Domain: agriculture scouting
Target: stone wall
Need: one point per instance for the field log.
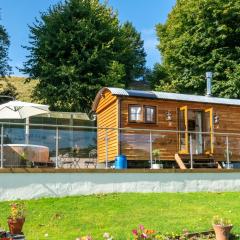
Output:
(24, 185)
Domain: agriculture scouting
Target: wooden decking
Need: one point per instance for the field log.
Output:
(199, 161)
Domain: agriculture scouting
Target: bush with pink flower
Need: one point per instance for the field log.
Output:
(143, 233)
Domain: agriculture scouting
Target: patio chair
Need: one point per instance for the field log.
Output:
(69, 160)
(92, 159)
(65, 159)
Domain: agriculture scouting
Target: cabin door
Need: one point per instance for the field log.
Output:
(191, 127)
(208, 143)
(183, 130)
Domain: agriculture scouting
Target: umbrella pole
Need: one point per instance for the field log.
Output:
(27, 131)
(2, 146)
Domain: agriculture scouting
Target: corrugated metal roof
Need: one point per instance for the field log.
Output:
(197, 98)
(166, 96)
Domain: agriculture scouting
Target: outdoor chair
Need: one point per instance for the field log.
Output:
(69, 160)
(92, 159)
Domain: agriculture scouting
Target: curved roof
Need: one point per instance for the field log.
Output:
(165, 96)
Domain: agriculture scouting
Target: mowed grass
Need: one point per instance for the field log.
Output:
(70, 217)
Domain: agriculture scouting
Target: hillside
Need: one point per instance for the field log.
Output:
(24, 90)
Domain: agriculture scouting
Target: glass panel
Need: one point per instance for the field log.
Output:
(232, 152)
(195, 127)
(42, 140)
(150, 114)
(14, 144)
(135, 113)
(135, 145)
(75, 145)
(199, 137)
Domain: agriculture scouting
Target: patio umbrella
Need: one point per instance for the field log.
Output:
(22, 110)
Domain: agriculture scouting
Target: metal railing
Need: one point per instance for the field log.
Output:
(40, 145)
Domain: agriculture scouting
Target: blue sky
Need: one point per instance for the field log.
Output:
(16, 15)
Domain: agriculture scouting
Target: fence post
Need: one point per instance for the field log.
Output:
(57, 146)
(191, 152)
(106, 142)
(228, 159)
(27, 131)
(2, 146)
(150, 148)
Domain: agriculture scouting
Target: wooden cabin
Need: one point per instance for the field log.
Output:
(181, 126)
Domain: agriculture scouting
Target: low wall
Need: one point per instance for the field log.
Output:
(37, 184)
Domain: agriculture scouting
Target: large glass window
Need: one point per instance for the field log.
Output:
(150, 114)
(135, 113)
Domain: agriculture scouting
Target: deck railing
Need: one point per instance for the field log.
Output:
(41, 145)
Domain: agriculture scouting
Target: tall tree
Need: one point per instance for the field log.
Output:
(4, 46)
(202, 36)
(157, 77)
(76, 48)
(133, 55)
(6, 88)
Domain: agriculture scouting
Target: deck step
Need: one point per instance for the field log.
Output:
(199, 161)
(180, 162)
(206, 157)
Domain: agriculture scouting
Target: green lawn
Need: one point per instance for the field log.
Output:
(68, 218)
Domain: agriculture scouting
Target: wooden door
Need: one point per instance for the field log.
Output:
(209, 136)
(183, 128)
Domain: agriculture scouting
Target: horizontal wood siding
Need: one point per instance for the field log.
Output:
(135, 145)
(107, 117)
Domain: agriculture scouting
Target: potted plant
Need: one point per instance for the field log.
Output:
(156, 155)
(222, 228)
(16, 218)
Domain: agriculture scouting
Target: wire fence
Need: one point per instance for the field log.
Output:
(64, 146)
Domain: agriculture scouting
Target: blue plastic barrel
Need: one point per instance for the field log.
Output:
(120, 162)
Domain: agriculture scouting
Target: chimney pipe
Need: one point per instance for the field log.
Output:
(209, 76)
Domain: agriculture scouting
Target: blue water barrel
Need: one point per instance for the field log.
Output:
(121, 162)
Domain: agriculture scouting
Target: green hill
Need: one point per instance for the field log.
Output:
(24, 90)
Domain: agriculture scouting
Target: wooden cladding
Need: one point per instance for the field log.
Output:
(143, 113)
(107, 140)
(168, 143)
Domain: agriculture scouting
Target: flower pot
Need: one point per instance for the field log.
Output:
(222, 232)
(15, 226)
(157, 166)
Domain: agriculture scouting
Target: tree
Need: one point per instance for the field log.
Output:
(158, 77)
(76, 48)
(133, 55)
(7, 90)
(202, 36)
(4, 45)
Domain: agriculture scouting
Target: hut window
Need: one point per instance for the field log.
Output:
(150, 114)
(135, 113)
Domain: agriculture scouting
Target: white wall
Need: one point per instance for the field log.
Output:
(36, 185)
